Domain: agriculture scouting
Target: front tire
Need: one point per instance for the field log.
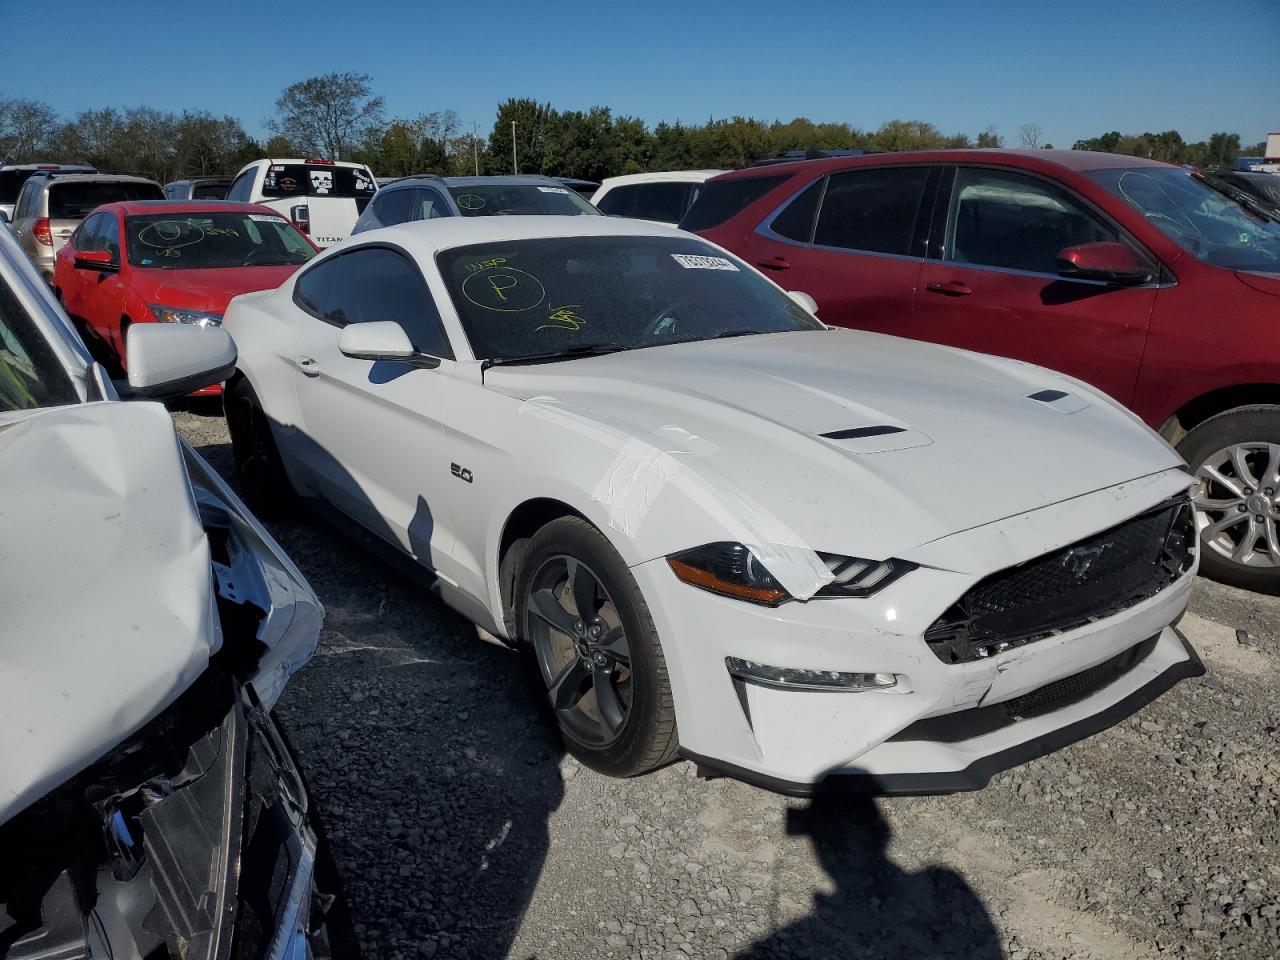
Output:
(1235, 457)
(599, 659)
(263, 482)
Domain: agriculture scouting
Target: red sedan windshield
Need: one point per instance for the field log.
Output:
(200, 241)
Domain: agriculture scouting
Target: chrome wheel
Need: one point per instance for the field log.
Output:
(581, 647)
(1238, 499)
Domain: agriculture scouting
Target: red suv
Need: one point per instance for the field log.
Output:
(169, 262)
(1142, 278)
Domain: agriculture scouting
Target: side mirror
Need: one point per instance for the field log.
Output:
(383, 340)
(806, 301)
(1108, 261)
(99, 260)
(173, 359)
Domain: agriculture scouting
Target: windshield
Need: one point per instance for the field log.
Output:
(76, 200)
(527, 298)
(506, 199)
(1205, 222)
(30, 376)
(208, 240)
(318, 180)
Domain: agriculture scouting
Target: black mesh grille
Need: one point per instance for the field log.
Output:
(1054, 696)
(1086, 581)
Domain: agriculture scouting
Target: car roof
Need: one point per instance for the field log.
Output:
(502, 179)
(139, 207)
(51, 167)
(427, 237)
(1044, 160)
(312, 162)
(695, 176)
(99, 178)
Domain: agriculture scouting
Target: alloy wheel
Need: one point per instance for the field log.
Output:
(582, 649)
(1238, 499)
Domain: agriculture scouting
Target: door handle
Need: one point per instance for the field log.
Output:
(309, 366)
(774, 263)
(950, 288)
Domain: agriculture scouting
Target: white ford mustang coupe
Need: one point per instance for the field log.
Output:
(794, 555)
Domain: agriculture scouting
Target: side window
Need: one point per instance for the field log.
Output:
(242, 186)
(660, 201)
(1004, 219)
(619, 202)
(873, 210)
(85, 237)
(109, 236)
(795, 222)
(428, 205)
(396, 206)
(373, 284)
(23, 207)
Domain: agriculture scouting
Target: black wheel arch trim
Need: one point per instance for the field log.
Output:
(979, 773)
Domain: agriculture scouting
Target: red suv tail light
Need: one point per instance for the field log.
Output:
(42, 233)
(301, 217)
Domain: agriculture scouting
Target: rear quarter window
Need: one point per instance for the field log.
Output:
(725, 199)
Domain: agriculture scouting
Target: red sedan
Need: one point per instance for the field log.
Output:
(1144, 279)
(166, 262)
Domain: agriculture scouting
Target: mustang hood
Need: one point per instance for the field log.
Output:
(848, 442)
(118, 582)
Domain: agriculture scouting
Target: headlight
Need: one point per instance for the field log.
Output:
(181, 315)
(856, 577)
(732, 570)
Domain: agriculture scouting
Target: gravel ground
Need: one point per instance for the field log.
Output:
(462, 829)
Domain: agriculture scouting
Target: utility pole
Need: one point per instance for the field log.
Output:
(515, 166)
(475, 145)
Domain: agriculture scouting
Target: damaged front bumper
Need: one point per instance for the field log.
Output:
(192, 839)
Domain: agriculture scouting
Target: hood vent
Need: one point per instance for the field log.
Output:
(1047, 396)
(858, 433)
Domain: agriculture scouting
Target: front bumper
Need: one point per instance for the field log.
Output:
(985, 759)
(880, 739)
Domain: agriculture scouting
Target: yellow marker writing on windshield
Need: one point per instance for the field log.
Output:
(499, 287)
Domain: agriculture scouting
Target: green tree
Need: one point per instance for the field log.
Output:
(990, 138)
(328, 115)
(533, 122)
(26, 130)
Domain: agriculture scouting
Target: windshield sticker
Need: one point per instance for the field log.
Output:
(363, 182)
(288, 184)
(563, 318)
(470, 201)
(321, 181)
(504, 289)
(694, 262)
(553, 189)
(263, 218)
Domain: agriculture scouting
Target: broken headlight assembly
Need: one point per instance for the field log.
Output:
(733, 570)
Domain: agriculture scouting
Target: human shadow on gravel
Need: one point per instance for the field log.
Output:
(877, 909)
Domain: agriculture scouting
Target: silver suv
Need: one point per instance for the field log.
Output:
(51, 205)
(427, 196)
(14, 175)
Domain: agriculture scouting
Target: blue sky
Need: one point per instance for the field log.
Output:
(1075, 67)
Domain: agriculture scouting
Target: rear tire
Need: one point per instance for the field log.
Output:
(613, 700)
(1236, 459)
(263, 482)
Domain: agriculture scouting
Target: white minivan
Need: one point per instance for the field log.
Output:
(323, 197)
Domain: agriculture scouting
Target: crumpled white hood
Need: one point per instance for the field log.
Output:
(106, 603)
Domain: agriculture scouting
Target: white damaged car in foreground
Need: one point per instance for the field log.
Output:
(148, 805)
(806, 558)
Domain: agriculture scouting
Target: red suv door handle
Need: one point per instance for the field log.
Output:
(950, 288)
(775, 263)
